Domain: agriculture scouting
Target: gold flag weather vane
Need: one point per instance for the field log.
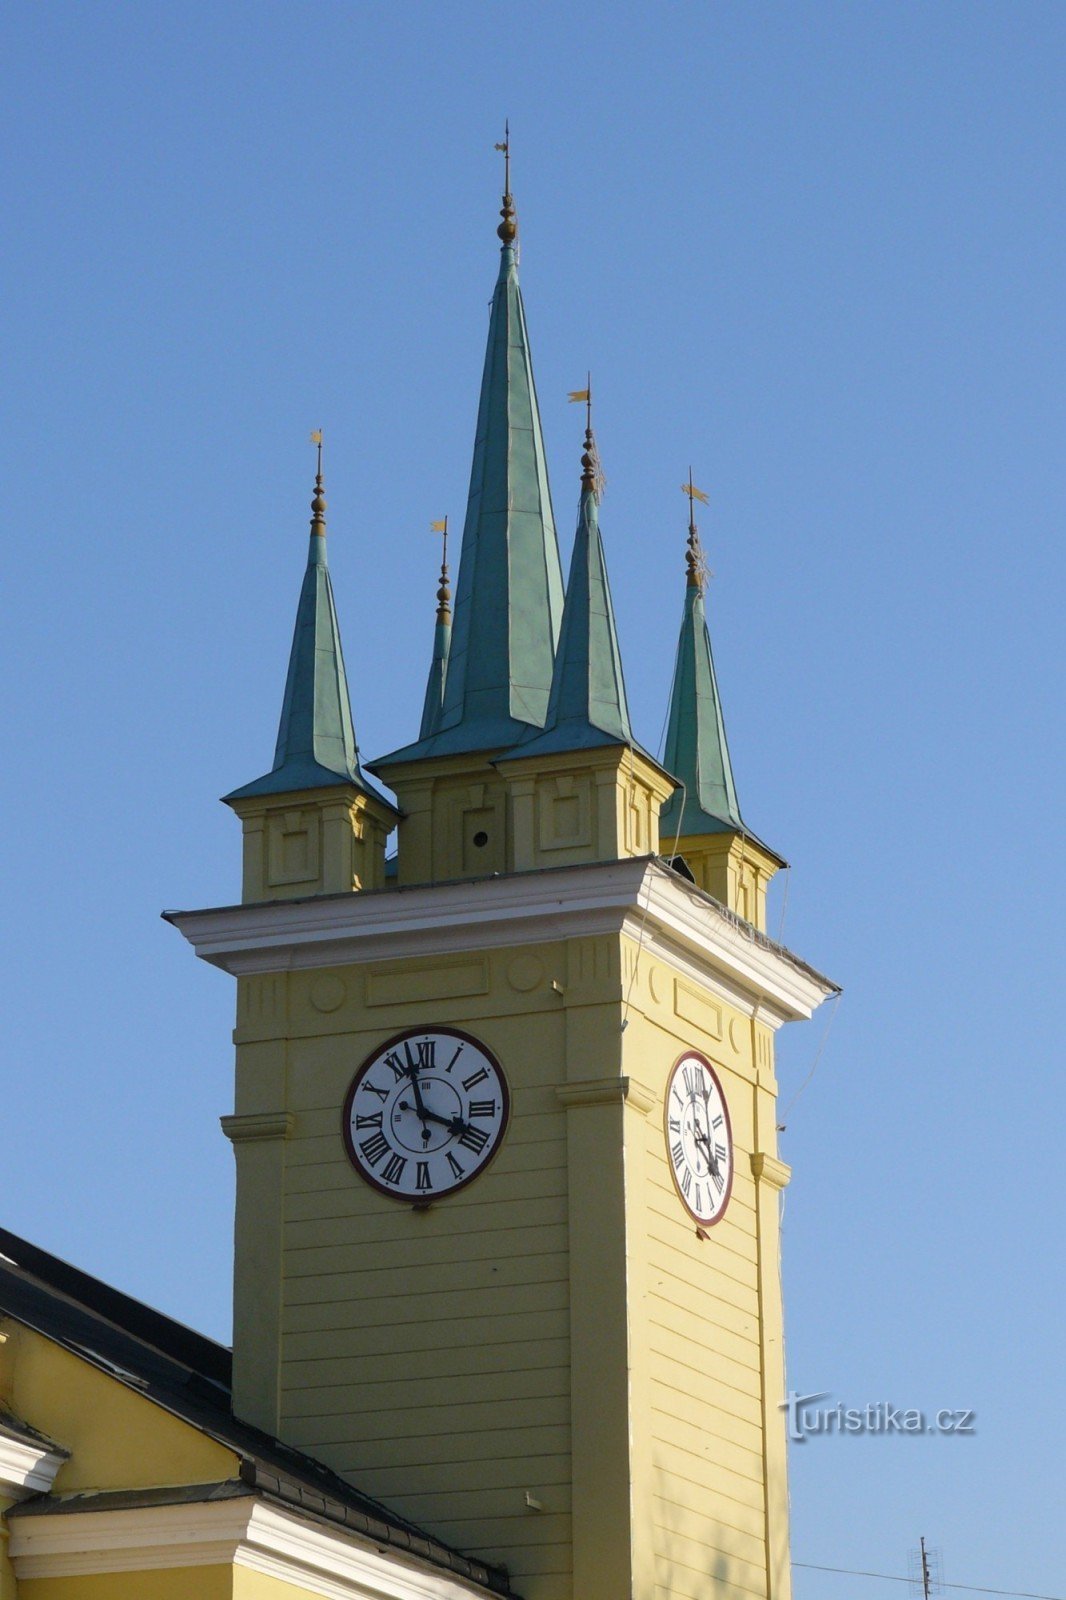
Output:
(575, 397)
(441, 527)
(697, 560)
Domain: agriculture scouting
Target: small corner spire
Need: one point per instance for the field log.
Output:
(695, 561)
(318, 499)
(442, 644)
(508, 228)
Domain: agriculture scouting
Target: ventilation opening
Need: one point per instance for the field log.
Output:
(680, 865)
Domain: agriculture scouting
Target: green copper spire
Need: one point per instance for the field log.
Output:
(316, 741)
(696, 750)
(509, 593)
(587, 705)
(442, 639)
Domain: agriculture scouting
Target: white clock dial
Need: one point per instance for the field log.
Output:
(425, 1113)
(699, 1141)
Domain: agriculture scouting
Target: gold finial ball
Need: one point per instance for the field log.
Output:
(508, 230)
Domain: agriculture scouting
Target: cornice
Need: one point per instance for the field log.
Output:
(606, 1091)
(255, 1125)
(639, 896)
(27, 1468)
(243, 1532)
(768, 1169)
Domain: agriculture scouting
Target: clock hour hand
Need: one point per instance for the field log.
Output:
(703, 1139)
(456, 1124)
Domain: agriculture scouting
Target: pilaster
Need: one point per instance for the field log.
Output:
(732, 867)
(771, 1176)
(258, 1131)
(598, 804)
(312, 841)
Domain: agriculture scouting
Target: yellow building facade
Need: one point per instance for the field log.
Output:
(507, 1311)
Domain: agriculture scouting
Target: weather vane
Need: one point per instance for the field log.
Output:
(592, 474)
(508, 228)
(695, 560)
(444, 593)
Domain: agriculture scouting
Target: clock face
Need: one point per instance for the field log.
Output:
(425, 1114)
(699, 1141)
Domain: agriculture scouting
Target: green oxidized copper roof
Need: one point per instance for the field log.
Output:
(587, 706)
(316, 744)
(696, 750)
(509, 594)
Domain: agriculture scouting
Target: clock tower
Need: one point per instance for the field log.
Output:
(507, 1177)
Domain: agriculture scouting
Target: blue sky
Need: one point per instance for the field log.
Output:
(815, 250)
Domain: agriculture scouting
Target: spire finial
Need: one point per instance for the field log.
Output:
(591, 473)
(444, 593)
(508, 228)
(695, 563)
(318, 500)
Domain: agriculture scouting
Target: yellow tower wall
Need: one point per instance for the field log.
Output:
(548, 1368)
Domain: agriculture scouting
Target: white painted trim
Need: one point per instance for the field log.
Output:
(638, 895)
(246, 1532)
(26, 1468)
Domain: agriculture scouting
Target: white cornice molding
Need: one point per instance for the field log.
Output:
(27, 1468)
(639, 896)
(243, 1532)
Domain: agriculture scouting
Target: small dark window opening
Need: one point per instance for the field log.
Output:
(481, 840)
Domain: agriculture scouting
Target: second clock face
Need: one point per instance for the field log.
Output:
(425, 1113)
(699, 1142)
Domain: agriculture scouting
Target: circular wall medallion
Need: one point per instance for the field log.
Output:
(328, 992)
(525, 973)
(699, 1140)
(425, 1113)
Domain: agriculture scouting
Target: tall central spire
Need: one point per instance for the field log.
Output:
(509, 591)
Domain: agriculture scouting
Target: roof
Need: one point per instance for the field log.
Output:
(509, 592)
(587, 706)
(697, 752)
(188, 1375)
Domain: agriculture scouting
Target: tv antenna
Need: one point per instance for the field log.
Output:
(924, 1571)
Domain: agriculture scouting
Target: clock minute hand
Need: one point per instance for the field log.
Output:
(420, 1105)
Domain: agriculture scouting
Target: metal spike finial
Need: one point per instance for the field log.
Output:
(444, 593)
(591, 470)
(508, 228)
(695, 561)
(318, 500)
